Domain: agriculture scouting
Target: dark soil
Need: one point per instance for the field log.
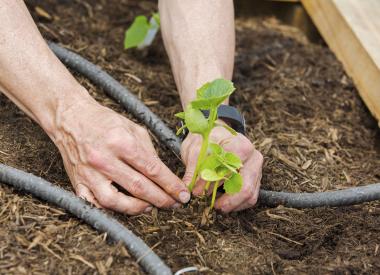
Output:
(303, 112)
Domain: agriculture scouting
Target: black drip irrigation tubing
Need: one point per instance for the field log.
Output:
(150, 262)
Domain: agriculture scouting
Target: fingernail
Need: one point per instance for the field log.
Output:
(148, 209)
(176, 205)
(184, 197)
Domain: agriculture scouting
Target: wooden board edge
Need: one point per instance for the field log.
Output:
(368, 84)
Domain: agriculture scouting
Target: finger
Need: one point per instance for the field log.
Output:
(83, 192)
(137, 184)
(250, 173)
(253, 200)
(150, 165)
(199, 188)
(129, 149)
(240, 145)
(190, 150)
(108, 197)
(191, 141)
(148, 145)
(190, 161)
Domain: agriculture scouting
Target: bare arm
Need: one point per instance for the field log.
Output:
(97, 145)
(199, 37)
(31, 75)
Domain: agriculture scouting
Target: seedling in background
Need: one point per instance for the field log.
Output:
(142, 33)
(214, 165)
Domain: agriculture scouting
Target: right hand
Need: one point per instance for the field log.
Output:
(100, 147)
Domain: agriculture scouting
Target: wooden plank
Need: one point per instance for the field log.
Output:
(351, 28)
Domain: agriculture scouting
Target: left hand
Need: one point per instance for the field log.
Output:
(251, 170)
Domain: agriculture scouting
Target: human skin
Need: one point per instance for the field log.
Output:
(199, 37)
(97, 145)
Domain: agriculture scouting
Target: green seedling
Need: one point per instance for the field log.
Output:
(214, 164)
(142, 32)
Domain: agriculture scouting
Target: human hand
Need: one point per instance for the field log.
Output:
(251, 170)
(100, 147)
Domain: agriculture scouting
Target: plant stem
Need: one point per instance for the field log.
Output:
(203, 152)
(202, 155)
(216, 184)
(207, 186)
(180, 129)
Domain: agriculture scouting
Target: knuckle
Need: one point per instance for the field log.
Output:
(137, 185)
(242, 147)
(95, 158)
(114, 138)
(131, 150)
(246, 145)
(153, 168)
(187, 177)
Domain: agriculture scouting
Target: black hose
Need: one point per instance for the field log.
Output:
(133, 105)
(44, 190)
(343, 197)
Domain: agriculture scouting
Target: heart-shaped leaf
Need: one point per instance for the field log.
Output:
(210, 175)
(215, 149)
(212, 94)
(233, 160)
(195, 121)
(211, 162)
(222, 171)
(180, 115)
(233, 184)
(217, 88)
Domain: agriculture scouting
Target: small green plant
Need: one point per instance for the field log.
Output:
(214, 164)
(142, 33)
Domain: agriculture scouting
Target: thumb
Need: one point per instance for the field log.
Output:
(190, 149)
(191, 163)
(189, 173)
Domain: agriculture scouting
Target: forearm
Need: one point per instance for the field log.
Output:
(199, 37)
(30, 74)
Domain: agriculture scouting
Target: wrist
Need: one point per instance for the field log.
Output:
(42, 86)
(70, 100)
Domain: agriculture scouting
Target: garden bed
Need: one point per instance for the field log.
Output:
(303, 113)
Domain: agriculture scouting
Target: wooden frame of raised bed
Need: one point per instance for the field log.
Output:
(351, 28)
